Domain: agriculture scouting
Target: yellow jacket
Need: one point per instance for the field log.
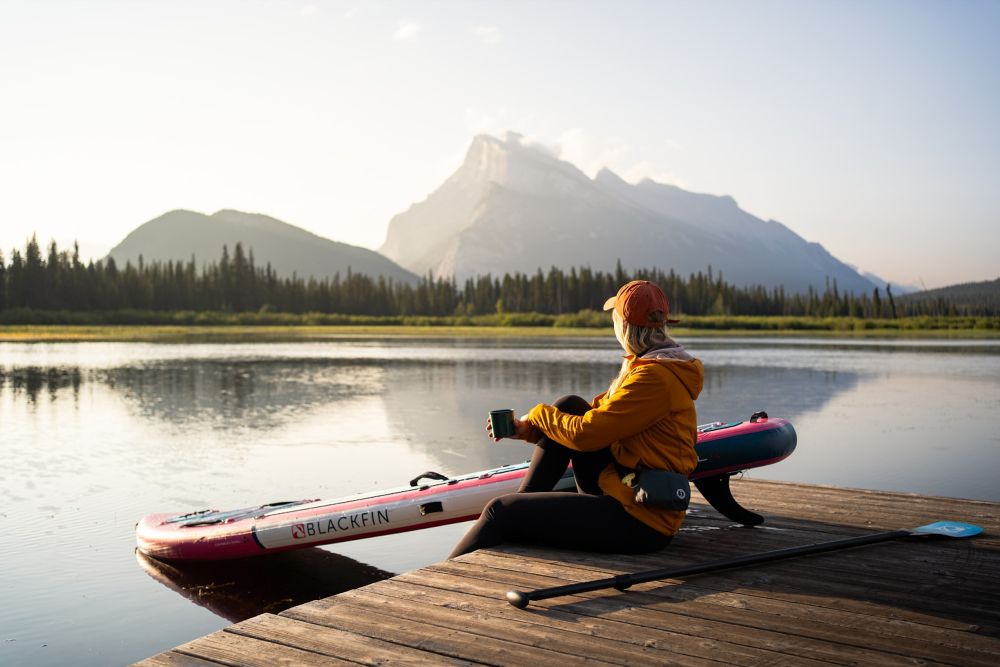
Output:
(649, 420)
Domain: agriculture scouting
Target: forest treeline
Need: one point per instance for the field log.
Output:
(57, 280)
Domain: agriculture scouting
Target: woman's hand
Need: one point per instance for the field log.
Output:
(523, 429)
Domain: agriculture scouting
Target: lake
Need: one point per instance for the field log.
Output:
(95, 435)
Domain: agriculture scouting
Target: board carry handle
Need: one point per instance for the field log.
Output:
(430, 474)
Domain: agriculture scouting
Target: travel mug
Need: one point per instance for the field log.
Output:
(502, 422)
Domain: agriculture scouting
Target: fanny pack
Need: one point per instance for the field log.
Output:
(657, 488)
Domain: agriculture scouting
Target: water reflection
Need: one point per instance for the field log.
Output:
(256, 394)
(33, 380)
(436, 406)
(240, 589)
(736, 392)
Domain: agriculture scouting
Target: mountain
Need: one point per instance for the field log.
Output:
(513, 207)
(178, 235)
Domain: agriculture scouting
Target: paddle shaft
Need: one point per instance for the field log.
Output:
(623, 581)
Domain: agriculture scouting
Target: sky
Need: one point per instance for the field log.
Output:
(871, 127)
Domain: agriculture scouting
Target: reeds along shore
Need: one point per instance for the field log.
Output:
(189, 326)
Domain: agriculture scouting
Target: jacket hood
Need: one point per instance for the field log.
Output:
(679, 361)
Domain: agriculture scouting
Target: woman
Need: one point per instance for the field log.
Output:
(646, 419)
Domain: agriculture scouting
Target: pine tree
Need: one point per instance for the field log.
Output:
(34, 275)
(16, 296)
(892, 302)
(3, 283)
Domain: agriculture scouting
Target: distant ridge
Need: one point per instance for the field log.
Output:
(512, 207)
(973, 298)
(179, 234)
(881, 282)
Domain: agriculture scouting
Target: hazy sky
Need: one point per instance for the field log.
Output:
(870, 127)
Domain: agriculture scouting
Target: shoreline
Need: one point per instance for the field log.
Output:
(302, 333)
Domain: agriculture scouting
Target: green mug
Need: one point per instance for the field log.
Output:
(502, 422)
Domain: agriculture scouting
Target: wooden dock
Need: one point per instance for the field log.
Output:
(906, 602)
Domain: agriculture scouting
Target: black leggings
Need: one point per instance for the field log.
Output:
(587, 520)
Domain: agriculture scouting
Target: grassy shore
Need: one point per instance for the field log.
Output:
(692, 327)
(182, 334)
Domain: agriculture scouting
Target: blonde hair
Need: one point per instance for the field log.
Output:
(636, 340)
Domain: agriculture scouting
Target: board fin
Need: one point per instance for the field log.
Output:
(718, 494)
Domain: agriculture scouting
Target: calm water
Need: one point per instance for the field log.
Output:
(95, 435)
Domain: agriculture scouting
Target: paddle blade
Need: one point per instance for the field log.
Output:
(948, 529)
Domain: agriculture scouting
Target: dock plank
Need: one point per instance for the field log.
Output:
(513, 630)
(682, 640)
(174, 659)
(335, 642)
(230, 648)
(451, 641)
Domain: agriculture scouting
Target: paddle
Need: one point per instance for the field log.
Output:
(623, 581)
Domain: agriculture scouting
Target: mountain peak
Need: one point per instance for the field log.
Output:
(605, 175)
(509, 139)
